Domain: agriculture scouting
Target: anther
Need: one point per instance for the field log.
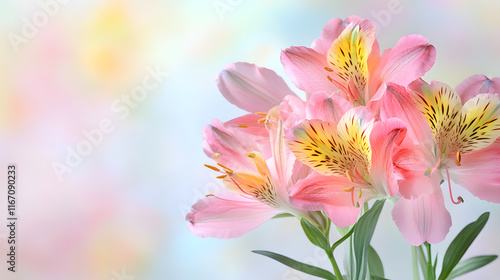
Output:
(330, 79)
(356, 205)
(221, 177)
(243, 125)
(460, 199)
(251, 155)
(348, 173)
(261, 113)
(225, 167)
(458, 160)
(349, 189)
(328, 69)
(209, 195)
(212, 167)
(360, 192)
(263, 120)
(217, 155)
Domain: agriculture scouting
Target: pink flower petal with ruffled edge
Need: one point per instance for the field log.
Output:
(479, 173)
(319, 192)
(410, 59)
(384, 136)
(305, 67)
(327, 107)
(222, 144)
(292, 111)
(227, 215)
(477, 84)
(422, 219)
(252, 88)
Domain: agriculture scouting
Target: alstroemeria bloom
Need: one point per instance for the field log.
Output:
(351, 157)
(465, 128)
(258, 188)
(450, 136)
(346, 58)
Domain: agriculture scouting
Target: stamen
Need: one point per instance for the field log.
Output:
(263, 120)
(330, 79)
(251, 155)
(209, 195)
(360, 192)
(212, 167)
(217, 155)
(221, 177)
(243, 125)
(458, 160)
(328, 69)
(460, 199)
(348, 173)
(227, 169)
(261, 113)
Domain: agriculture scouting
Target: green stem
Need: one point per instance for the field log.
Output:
(414, 263)
(336, 269)
(430, 269)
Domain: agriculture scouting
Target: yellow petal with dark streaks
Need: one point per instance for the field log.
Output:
(348, 58)
(479, 124)
(441, 106)
(319, 145)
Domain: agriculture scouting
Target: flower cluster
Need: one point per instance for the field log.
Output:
(369, 129)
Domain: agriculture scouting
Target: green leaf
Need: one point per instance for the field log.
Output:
(375, 264)
(357, 254)
(283, 215)
(461, 243)
(309, 269)
(470, 265)
(341, 240)
(314, 235)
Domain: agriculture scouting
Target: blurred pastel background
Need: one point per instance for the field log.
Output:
(143, 73)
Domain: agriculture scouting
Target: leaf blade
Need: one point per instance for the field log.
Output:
(470, 265)
(306, 268)
(460, 244)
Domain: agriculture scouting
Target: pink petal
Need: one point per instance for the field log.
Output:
(384, 136)
(319, 192)
(227, 215)
(226, 147)
(305, 67)
(410, 59)
(422, 219)
(396, 103)
(477, 84)
(327, 107)
(252, 88)
(479, 173)
(248, 124)
(292, 111)
(330, 32)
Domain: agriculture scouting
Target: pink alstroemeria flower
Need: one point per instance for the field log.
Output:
(257, 187)
(450, 135)
(346, 57)
(351, 154)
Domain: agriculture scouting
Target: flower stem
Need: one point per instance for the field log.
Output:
(414, 263)
(336, 269)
